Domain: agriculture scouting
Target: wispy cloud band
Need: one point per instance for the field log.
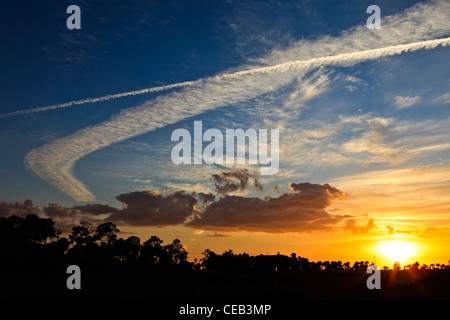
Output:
(54, 162)
(339, 59)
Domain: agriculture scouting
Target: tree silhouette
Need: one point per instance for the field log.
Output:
(38, 229)
(415, 266)
(132, 247)
(152, 251)
(106, 233)
(31, 247)
(82, 234)
(176, 252)
(210, 260)
(32, 234)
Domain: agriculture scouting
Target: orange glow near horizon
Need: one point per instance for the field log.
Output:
(397, 250)
(390, 215)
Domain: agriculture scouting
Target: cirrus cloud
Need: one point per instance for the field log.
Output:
(405, 102)
(55, 162)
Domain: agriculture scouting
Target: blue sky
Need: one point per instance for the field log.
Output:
(342, 121)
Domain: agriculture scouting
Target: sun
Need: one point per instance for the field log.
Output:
(400, 251)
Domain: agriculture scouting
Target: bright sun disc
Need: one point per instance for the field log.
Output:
(397, 250)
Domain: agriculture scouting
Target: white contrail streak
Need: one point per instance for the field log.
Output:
(330, 60)
(98, 99)
(54, 162)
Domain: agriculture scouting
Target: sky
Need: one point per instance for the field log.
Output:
(87, 116)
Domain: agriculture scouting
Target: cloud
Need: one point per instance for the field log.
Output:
(362, 139)
(307, 188)
(149, 208)
(428, 20)
(276, 188)
(418, 195)
(217, 235)
(98, 99)
(405, 102)
(372, 141)
(238, 180)
(55, 211)
(351, 225)
(443, 99)
(301, 211)
(390, 230)
(206, 197)
(20, 209)
(67, 217)
(95, 209)
(188, 187)
(55, 162)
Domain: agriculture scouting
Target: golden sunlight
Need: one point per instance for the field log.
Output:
(400, 251)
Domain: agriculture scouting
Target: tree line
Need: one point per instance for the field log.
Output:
(33, 239)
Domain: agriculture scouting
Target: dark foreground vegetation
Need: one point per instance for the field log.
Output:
(34, 259)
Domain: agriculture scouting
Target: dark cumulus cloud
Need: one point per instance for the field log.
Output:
(21, 209)
(316, 189)
(150, 208)
(95, 209)
(238, 180)
(205, 197)
(54, 210)
(65, 217)
(68, 217)
(301, 211)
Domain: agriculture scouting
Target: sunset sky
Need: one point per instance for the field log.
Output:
(364, 138)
